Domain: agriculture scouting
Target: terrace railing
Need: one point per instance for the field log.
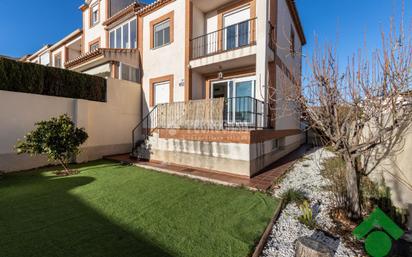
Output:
(229, 38)
(237, 113)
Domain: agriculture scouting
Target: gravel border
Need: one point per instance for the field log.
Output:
(305, 176)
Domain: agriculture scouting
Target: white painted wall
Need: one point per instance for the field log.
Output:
(211, 21)
(198, 22)
(396, 169)
(97, 30)
(285, 23)
(168, 59)
(45, 59)
(198, 86)
(56, 52)
(108, 124)
(262, 30)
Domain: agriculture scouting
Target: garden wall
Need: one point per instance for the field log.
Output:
(109, 124)
(396, 169)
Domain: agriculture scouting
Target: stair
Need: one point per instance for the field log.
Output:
(140, 151)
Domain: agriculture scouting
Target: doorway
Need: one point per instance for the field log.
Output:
(240, 99)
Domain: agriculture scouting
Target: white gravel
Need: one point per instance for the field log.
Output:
(305, 176)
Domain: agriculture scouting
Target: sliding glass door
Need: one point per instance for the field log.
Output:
(240, 95)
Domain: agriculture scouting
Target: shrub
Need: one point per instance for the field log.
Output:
(334, 170)
(381, 197)
(293, 196)
(307, 215)
(38, 79)
(58, 138)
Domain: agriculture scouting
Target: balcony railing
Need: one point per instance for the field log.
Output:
(229, 38)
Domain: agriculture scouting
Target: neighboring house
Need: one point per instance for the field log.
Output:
(211, 73)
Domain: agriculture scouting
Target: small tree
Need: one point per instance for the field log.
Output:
(58, 138)
(363, 110)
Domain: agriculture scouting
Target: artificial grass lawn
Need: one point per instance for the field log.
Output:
(114, 210)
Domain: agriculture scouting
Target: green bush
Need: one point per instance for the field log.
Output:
(58, 138)
(38, 79)
(293, 196)
(307, 215)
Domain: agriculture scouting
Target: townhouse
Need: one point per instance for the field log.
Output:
(212, 73)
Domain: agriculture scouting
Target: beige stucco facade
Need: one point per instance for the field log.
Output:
(189, 73)
(396, 172)
(108, 124)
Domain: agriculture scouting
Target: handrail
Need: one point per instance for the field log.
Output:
(141, 123)
(219, 30)
(243, 112)
(238, 35)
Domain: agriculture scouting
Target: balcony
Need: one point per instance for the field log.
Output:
(235, 42)
(227, 39)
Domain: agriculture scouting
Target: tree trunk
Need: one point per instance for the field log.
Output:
(352, 188)
(308, 247)
(64, 166)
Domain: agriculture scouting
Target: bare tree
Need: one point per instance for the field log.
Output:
(361, 111)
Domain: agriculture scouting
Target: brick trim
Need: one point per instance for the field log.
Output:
(153, 81)
(227, 136)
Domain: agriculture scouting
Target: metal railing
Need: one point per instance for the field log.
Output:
(229, 38)
(244, 113)
(237, 113)
(145, 128)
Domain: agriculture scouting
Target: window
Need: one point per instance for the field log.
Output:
(58, 60)
(292, 41)
(118, 38)
(95, 13)
(236, 28)
(162, 34)
(112, 39)
(94, 45)
(129, 73)
(45, 59)
(133, 33)
(124, 36)
(126, 43)
(161, 92)
(118, 5)
(162, 30)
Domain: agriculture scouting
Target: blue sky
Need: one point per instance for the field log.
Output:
(350, 21)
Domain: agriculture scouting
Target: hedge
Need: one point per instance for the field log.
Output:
(38, 79)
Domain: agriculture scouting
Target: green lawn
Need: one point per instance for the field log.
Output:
(114, 210)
